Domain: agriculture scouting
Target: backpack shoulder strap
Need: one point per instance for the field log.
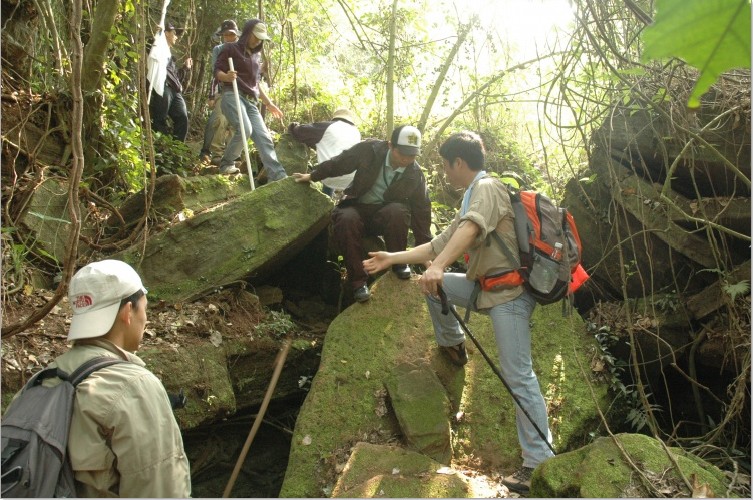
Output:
(505, 249)
(511, 256)
(92, 365)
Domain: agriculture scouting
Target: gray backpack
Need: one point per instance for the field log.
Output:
(34, 434)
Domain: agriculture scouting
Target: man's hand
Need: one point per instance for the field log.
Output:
(301, 177)
(431, 279)
(378, 262)
(276, 112)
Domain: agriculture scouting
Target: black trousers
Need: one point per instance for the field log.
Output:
(172, 105)
(352, 222)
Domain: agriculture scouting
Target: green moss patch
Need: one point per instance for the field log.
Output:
(366, 343)
(601, 470)
(204, 253)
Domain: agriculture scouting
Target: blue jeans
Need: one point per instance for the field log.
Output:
(513, 335)
(255, 127)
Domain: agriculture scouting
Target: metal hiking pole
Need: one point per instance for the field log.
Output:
(447, 307)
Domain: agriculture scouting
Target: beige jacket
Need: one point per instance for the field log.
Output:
(124, 440)
(489, 208)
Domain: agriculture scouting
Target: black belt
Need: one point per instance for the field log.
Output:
(250, 97)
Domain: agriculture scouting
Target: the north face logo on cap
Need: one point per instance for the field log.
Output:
(83, 301)
(412, 139)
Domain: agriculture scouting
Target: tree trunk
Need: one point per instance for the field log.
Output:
(462, 35)
(390, 93)
(91, 77)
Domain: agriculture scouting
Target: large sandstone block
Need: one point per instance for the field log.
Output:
(601, 470)
(247, 237)
(347, 402)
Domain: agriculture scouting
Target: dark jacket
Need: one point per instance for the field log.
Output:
(177, 78)
(247, 63)
(367, 158)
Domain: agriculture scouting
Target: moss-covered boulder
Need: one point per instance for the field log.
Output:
(293, 155)
(221, 380)
(173, 194)
(347, 401)
(421, 406)
(247, 237)
(375, 471)
(45, 223)
(602, 470)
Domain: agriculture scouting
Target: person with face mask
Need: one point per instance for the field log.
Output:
(247, 73)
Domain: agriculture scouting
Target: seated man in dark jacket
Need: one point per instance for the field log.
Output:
(388, 196)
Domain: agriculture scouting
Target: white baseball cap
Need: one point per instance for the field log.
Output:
(408, 141)
(95, 293)
(260, 31)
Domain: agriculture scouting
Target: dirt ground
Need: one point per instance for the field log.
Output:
(228, 314)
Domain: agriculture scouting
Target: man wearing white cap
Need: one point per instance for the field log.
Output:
(246, 55)
(329, 138)
(388, 196)
(124, 440)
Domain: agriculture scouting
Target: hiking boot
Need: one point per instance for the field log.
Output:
(362, 294)
(457, 353)
(229, 170)
(401, 271)
(520, 480)
(205, 158)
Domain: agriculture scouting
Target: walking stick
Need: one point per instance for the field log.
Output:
(279, 362)
(447, 307)
(242, 125)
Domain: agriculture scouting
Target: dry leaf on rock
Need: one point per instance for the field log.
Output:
(215, 338)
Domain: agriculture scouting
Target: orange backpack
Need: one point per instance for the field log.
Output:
(548, 259)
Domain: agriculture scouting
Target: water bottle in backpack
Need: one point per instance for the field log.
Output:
(544, 271)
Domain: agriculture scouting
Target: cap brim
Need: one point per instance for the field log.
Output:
(409, 150)
(93, 323)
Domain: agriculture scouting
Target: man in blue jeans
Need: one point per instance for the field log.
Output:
(486, 207)
(246, 55)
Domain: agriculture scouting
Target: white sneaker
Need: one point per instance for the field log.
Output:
(229, 170)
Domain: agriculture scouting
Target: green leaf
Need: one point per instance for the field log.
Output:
(712, 35)
(736, 289)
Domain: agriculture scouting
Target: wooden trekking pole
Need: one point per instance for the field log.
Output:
(242, 124)
(279, 362)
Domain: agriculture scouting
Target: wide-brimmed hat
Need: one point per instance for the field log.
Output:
(260, 31)
(408, 140)
(344, 114)
(228, 25)
(95, 293)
